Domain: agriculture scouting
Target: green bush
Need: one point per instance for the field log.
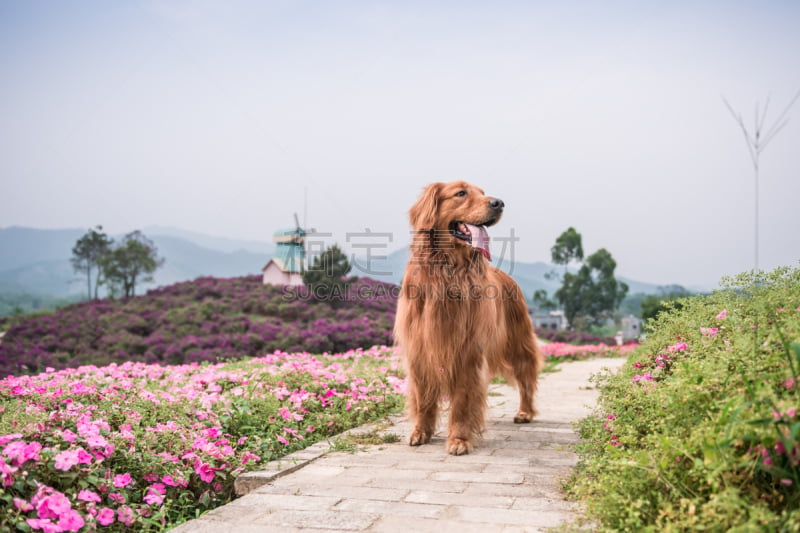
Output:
(700, 430)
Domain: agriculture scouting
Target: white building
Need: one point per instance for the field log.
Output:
(555, 320)
(286, 265)
(631, 327)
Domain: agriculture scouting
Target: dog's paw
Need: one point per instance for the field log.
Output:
(456, 446)
(419, 437)
(523, 418)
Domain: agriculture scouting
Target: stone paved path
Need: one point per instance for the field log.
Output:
(509, 484)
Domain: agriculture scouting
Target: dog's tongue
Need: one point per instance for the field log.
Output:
(480, 239)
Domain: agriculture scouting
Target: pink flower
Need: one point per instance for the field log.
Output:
(68, 436)
(66, 459)
(122, 480)
(213, 433)
(116, 497)
(155, 494)
(723, 314)
(20, 452)
(44, 524)
(71, 521)
(5, 439)
(709, 332)
(249, 456)
(644, 377)
(89, 496)
(677, 347)
(105, 517)
(96, 441)
(174, 482)
(125, 515)
(205, 471)
(288, 415)
(53, 506)
(23, 505)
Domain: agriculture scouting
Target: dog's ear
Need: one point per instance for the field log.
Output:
(424, 213)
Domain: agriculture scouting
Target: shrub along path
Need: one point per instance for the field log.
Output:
(510, 483)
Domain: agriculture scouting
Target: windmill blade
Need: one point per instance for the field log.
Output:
(297, 222)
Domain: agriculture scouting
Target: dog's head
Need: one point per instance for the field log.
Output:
(457, 213)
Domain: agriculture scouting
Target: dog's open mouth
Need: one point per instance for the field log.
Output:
(477, 236)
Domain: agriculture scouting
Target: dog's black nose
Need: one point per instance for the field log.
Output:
(496, 204)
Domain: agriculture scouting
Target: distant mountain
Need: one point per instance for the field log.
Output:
(530, 276)
(54, 277)
(220, 244)
(38, 261)
(21, 247)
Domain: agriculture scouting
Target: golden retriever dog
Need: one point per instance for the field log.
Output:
(459, 319)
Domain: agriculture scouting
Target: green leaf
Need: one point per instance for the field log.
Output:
(796, 349)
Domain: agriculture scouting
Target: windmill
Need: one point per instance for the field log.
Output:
(288, 262)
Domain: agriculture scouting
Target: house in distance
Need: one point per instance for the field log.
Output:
(287, 264)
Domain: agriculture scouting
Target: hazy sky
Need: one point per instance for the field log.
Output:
(216, 117)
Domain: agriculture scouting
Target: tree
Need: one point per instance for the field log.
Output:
(542, 300)
(568, 248)
(668, 298)
(133, 261)
(325, 278)
(86, 255)
(593, 293)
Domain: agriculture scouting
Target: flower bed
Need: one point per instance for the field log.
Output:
(562, 350)
(700, 430)
(146, 446)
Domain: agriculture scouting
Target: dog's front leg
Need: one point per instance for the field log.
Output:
(423, 408)
(467, 412)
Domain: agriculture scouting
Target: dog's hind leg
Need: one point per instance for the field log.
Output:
(527, 363)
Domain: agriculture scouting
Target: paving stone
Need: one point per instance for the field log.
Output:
(485, 515)
(424, 484)
(450, 498)
(510, 484)
(541, 504)
(393, 524)
(330, 520)
(506, 478)
(385, 508)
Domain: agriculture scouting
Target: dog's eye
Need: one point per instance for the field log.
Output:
(461, 193)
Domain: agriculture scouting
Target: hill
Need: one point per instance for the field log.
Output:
(530, 276)
(37, 262)
(35, 271)
(208, 319)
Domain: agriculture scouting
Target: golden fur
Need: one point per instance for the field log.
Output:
(460, 320)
